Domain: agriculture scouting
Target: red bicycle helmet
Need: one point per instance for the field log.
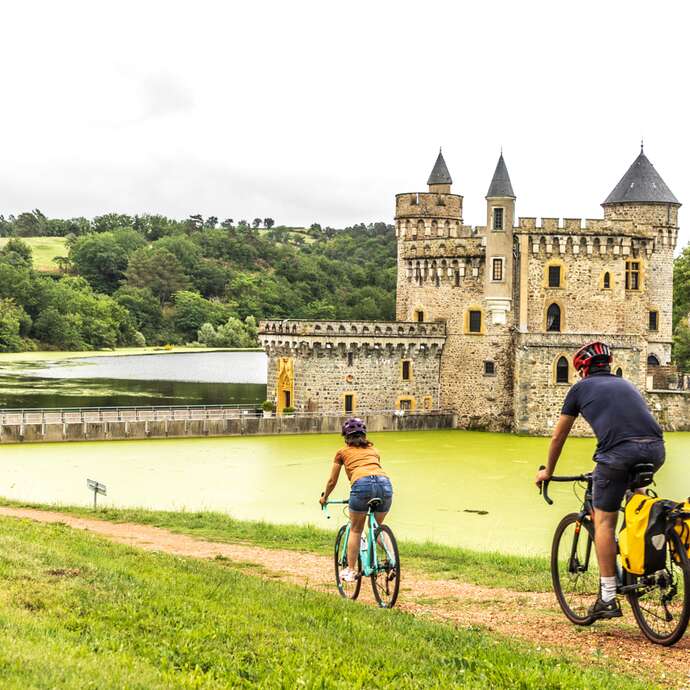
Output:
(354, 425)
(596, 353)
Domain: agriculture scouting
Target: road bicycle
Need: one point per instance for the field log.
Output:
(660, 602)
(378, 559)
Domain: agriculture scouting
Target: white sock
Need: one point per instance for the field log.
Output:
(608, 588)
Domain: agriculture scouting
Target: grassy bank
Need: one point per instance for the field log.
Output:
(522, 573)
(77, 611)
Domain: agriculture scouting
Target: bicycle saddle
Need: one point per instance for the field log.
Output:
(641, 475)
(374, 503)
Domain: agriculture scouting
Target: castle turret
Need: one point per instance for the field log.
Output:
(440, 180)
(500, 214)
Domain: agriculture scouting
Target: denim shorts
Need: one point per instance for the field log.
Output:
(612, 473)
(366, 488)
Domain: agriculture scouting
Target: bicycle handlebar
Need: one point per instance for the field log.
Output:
(324, 507)
(544, 488)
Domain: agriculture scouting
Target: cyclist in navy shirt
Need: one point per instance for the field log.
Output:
(627, 434)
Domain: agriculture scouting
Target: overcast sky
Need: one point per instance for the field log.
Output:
(322, 111)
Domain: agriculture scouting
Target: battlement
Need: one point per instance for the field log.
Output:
(369, 336)
(429, 205)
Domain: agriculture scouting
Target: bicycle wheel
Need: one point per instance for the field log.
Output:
(385, 580)
(661, 605)
(349, 590)
(574, 568)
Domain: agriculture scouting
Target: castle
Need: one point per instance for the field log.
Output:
(488, 318)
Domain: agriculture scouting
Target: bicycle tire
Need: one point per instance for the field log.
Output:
(679, 562)
(348, 590)
(386, 580)
(587, 580)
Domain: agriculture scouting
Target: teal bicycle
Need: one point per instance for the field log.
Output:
(378, 559)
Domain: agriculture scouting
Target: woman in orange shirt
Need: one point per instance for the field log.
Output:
(362, 464)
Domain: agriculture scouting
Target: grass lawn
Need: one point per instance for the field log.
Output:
(45, 249)
(521, 573)
(80, 612)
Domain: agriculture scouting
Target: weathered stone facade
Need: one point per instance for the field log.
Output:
(511, 301)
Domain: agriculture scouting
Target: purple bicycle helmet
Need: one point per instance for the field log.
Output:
(354, 425)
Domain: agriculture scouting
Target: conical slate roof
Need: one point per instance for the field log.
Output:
(641, 184)
(500, 184)
(440, 174)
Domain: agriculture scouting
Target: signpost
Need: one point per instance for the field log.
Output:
(97, 488)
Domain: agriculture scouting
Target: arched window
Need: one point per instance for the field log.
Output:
(562, 370)
(652, 361)
(607, 281)
(553, 318)
(619, 372)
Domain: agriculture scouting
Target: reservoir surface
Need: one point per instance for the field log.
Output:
(437, 477)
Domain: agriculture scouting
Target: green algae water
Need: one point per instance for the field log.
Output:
(437, 476)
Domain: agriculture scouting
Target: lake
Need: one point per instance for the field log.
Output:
(437, 476)
(176, 378)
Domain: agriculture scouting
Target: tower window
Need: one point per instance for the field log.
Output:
(498, 219)
(562, 370)
(553, 318)
(497, 270)
(419, 316)
(619, 372)
(405, 404)
(457, 278)
(653, 320)
(406, 370)
(607, 281)
(554, 276)
(349, 403)
(475, 321)
(350, 358)
(489, 368)
(632, 275)
(652, 361)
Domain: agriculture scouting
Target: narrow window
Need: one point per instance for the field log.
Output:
(607, 281)
(553, 318)
(406, 370)
(632, 275)
(497, 270)
(498, 219)
(405, 403)
(554, 276)
(287, 398)
(419, 316)
(428, 402)
(475, 321)
(619, 372)
(653, 320)
(652, 361)
(562, 370)
(489, 368)
(350, 358)
(349, 403)
(457, 278)
(437, 280)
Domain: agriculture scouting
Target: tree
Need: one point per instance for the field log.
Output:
(144, 309)
(30, 224)
(211, 222)
(681, 345)
(17, 253)
(192, 311)
(228, 224)
(243, 225)
(256, 223)
(13, 320)
(156, 269)
(269, 223)
(112, 221)
(59, 329)
(194, 223)
(681, 286)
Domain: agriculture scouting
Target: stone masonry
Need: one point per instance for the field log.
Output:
(489, 317)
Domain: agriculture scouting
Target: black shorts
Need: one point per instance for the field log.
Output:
(612, 477)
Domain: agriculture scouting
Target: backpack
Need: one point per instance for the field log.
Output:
(642, 539)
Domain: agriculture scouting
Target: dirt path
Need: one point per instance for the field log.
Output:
(532, 617)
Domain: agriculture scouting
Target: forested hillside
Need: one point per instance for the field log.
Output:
(154, 280)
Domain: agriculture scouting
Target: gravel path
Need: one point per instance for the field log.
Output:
(531, 617)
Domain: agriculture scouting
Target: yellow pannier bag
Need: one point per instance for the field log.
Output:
(642, 539)
(683, 529)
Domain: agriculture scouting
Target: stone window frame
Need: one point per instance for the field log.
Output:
(354, 402)
(424, 312)
(493, 218)
(502, 259)
(547, 306)
(612, 280)
(401, 398)
(466, 320)
(640, 274)
(653, 310)
(554, 370)
(493, 367)
(547, 266)
(410, 370)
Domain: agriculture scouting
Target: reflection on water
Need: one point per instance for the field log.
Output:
(197, 378)
(464, 488)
